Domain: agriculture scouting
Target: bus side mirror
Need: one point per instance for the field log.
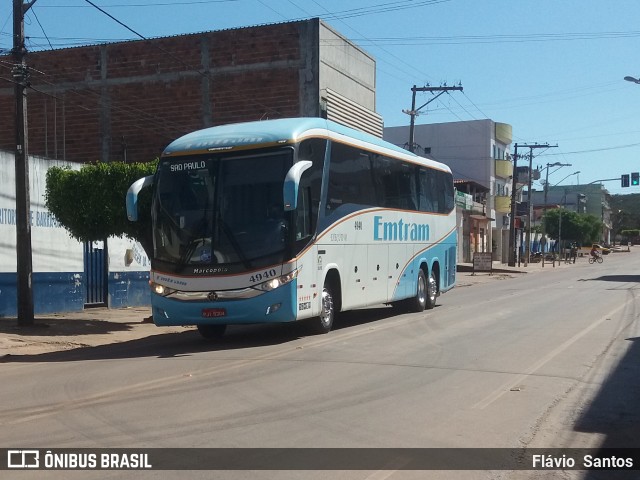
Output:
(132, 196)
(291, 183)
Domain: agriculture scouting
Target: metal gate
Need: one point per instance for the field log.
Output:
(96, 273)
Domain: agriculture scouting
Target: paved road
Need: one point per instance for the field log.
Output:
(538, 360)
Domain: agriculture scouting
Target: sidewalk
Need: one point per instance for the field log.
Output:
(70, 330)
(103, 326)
(500, 271)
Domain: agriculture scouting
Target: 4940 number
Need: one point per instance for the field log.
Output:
(258, 277)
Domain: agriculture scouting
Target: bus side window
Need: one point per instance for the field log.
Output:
(426, 203)
(449, 193)
(397, 185)
(310, 187)
(304, 222)
(350, 178)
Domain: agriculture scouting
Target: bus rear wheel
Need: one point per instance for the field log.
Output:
(324, 322)
(419, 302)
(212, 332)
(432, 291)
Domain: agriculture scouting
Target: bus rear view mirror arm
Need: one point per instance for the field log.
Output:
(132, 196)
(291, 183)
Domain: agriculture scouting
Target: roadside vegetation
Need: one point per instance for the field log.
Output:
(90, 202)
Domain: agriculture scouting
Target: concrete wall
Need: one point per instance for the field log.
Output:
(346, 69)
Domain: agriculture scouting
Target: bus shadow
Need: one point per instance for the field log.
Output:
(52, 327)
(613, 278)
(189, 342)
(614, 412)
(354, 318)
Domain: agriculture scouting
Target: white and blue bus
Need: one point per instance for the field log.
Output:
(294, 219)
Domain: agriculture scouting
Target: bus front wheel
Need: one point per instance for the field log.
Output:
(212, 332)
(324, 322)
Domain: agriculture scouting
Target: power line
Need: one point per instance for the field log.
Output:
(205, 74)
(604, 149)
(143, 5)
(382, 49)
(482, 39)
(41, 27)
(116, 20)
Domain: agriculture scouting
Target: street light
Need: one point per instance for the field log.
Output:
(632, 79)
(544, 206)
(571, 174)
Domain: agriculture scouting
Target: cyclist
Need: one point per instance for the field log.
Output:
(594, 252)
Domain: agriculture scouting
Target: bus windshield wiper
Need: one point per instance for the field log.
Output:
(234, 243)
(193, 240)
(191, 247)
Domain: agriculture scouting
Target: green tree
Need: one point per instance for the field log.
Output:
(576, 227)
(90, 202)
(632, 235)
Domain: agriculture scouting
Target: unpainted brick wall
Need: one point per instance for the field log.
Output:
(130, 99)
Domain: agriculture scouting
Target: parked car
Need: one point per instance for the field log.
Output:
(601, 249)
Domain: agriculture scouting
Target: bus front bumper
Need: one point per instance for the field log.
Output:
(275, 306)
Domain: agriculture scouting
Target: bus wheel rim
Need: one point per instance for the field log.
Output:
(433, 287)
(327, 307)
(422, 290)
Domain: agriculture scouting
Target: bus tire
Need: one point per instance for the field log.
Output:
(432, 290)
(419, 302)
(212, 332)
(324, 322)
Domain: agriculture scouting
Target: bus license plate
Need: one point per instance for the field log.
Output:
(213, 312)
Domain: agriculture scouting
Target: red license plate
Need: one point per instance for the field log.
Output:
(213, 312)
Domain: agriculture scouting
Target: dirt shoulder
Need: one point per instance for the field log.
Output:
(67, 331)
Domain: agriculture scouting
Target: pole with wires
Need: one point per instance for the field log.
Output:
(415, 111)
(24, 265)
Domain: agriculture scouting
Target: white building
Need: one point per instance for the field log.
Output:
(67, 275)
(476, 151)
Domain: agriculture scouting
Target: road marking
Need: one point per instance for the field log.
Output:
(543, 361)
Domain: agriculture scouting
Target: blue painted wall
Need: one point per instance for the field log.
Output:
(66, 292)
(52, 292)
(129, 289)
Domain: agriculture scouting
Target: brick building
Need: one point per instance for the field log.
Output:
(126, 101)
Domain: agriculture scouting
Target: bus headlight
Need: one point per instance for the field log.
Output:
(277, 282)
(161, 289)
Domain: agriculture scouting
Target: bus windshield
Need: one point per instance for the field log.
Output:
(216, 213)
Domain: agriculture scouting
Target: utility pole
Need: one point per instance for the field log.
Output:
(512, 223)
(415, 111)
(512, 230)
(24, 266)
(531, 147)
(544, 207)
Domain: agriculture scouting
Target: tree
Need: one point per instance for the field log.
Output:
(576, 227)
(90, 202)
(632, 235)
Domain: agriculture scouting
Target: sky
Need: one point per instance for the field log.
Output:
(552, 69)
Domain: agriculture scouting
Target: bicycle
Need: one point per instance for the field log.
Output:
(593, 259)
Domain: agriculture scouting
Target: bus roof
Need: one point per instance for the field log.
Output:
(283, 131)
